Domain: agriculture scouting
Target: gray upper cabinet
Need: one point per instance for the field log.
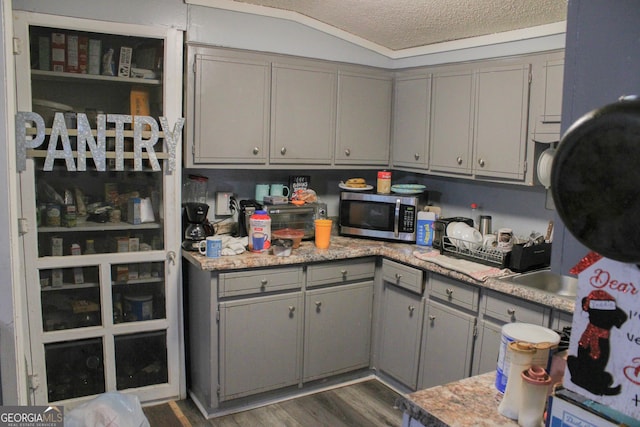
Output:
(501, 118)
(303, 108)
(411, 110)
(548, 109)
(479, 121)
(363, 117)
(227, 108)
(452, 111)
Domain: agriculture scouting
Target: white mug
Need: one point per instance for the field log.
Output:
(505, 239)
(211, 247)
(279, 190)
(489, 241)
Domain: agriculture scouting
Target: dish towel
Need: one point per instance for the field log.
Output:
(474, 270)
(233, 245)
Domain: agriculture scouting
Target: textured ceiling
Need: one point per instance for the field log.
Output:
(402, 24)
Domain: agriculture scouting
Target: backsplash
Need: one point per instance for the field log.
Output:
(518, 207)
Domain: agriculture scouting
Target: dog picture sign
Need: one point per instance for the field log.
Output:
(604, 351)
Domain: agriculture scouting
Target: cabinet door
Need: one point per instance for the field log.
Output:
(260, 344)
(410, 145)
(337, 329)
(448, 343)
(303, 109)
(485, 355)
(452, 112)
(401, 328)
(364, 119)
(229, 103)
(501, 121)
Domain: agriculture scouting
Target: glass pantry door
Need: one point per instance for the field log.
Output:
(101, 246)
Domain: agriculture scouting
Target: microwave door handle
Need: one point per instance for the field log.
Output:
(396, 221)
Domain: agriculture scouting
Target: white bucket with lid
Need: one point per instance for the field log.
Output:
(546, 340)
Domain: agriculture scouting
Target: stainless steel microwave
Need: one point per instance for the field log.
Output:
(382, 216)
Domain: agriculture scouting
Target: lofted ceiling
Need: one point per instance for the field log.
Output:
(403, 24)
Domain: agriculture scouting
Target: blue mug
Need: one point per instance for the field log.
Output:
(211, 247)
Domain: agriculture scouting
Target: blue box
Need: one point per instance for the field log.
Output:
(424, 232)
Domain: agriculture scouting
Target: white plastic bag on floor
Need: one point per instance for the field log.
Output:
(110, 409)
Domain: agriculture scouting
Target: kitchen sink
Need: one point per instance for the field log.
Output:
(546, 281)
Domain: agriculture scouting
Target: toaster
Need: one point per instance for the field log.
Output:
(440, 229)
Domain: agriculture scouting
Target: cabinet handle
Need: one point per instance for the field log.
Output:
(347, 152)
(263, 283)
(292, 309)
(459, 160)
(256, 150)
(511, 311)
(343, 272)
(318, 304)
(449, 292)
(411, 309)
(432, 317)
(417, 156)
(398, 277)
(171, 256)
(481, 162)
(283, 150)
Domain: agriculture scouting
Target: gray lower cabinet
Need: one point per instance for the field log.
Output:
(497, 310)
(337, 334)
(401, 314)
(260, 344)
(448, 343)
(449, 331)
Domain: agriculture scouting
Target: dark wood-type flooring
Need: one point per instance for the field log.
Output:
(368, 403)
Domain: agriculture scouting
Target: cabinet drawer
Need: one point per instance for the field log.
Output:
(403, 276)
(455, 292)
(340, 272)
(509, 309)
(259, 281)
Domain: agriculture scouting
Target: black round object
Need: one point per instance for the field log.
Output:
(595, 180)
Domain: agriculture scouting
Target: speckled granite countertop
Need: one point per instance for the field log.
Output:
(471, 402)
(346, 247)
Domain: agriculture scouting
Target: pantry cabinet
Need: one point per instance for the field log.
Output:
(100, 248)
(363, 117)
(411, 121)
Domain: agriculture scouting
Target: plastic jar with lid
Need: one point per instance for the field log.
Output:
(259, 231)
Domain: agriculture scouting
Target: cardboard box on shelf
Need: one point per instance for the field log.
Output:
(124, 64)
(95, 56)
(71, 65)
(58, 51)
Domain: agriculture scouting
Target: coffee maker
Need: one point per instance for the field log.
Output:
(196, 226)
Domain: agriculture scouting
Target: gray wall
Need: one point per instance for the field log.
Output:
(602, 62)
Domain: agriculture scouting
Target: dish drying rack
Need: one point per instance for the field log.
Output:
(475, 252)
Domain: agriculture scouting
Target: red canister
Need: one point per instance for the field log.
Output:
(384, 182)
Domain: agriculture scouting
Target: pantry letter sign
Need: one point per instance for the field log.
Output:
(604, 351)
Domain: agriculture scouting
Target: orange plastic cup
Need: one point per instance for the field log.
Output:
(323, 233)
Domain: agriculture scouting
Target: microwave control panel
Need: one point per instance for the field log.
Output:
(407, 219)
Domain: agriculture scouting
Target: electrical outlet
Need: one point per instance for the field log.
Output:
(223, 201)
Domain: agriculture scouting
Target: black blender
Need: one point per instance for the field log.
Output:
(197, 226)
